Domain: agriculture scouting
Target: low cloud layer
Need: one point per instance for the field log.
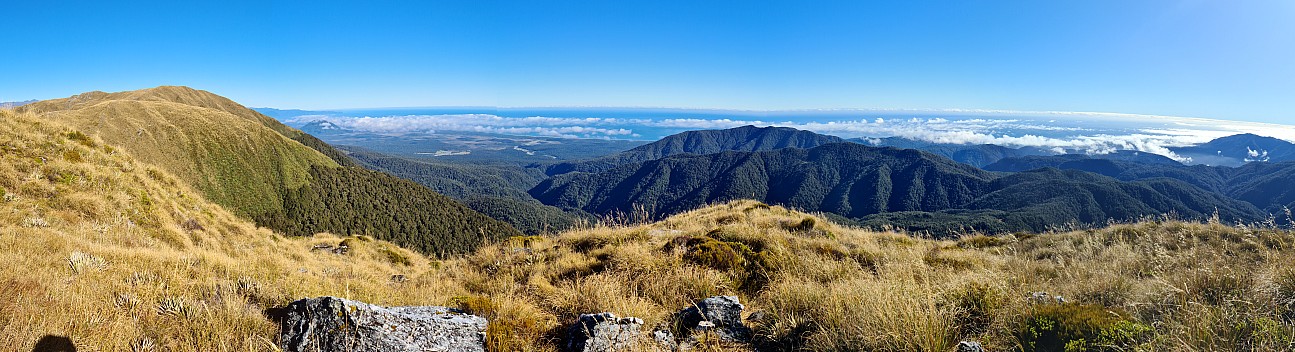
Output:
(1094, 133)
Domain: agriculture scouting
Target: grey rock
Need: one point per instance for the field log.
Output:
(335, 324)
(720, 314)
(970, 346)
(603, 332)
(665, 340)
(1044, 297)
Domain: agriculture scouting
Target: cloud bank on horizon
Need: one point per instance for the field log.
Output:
(1092, 133)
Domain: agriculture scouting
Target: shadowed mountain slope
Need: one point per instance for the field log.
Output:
(856, 181)
(745, 138)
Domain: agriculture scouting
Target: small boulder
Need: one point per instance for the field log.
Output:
(665, 340)
(603, 332)
(1044, 297)
(336, 324)
(970, 346)
(721, 315)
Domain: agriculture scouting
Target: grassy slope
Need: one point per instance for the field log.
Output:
(1157, 285)
(142, 277)
(95, 246)
(218, 146)
(263, 170)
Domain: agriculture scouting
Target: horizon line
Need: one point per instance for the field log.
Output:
(900, 110)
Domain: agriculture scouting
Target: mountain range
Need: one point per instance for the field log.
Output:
(856, 181)
(941, 188)
(745, 138)
(1237, 150)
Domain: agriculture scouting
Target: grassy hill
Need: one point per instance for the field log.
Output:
(268, 172)
(117, 254)
(235, 159)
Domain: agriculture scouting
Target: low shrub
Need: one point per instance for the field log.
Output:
(1078, 327)
(716, 254)
(395, 257)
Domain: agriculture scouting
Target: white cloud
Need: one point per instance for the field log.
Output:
(1094, 133)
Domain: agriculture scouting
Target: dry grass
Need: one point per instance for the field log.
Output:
(235, 156)
(101, 248)
(116, 254)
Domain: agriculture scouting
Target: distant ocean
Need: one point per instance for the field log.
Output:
(654, 123)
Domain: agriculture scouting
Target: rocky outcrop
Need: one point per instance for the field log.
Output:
(721, 315)
(603, 332)
(335, 324)
(970, 346)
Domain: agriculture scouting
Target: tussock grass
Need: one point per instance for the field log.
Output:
(188, 133)
(116, 254)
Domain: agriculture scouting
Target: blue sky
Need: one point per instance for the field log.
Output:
(1216, 59)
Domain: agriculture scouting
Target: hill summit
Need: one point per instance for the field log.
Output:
(263, 170)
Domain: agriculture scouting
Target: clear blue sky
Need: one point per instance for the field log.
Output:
(1219, 59)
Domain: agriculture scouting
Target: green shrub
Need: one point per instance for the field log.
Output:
(1078, 327)
(725, 256)
(395, 256)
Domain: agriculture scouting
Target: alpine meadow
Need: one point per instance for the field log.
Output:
(760, 176)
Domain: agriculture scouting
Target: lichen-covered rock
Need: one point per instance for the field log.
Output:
(603, 332)
(665, 340)
(721, 315)
(335, 324)
(970, 346)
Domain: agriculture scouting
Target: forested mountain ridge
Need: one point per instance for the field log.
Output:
(268, 172)
(1263, 184)
(844, 178)
(977, 155)
(857, 181)
(1237, 150)
(745, 138)
(496, 190)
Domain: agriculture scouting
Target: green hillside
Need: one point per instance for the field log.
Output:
(264, 170)
(234, 159)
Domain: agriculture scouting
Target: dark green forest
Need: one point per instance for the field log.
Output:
(355, 201)
(913, 189)
(745, 138)
(496, 190)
